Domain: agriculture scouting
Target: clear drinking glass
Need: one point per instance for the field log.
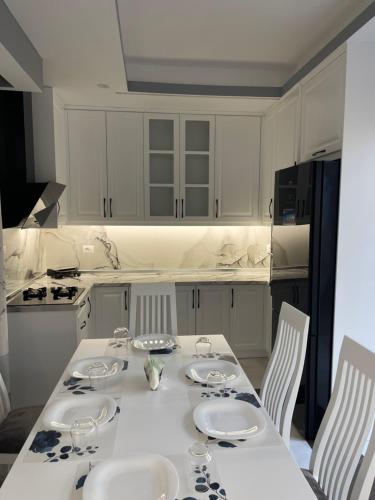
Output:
(98, 373)
(199, 461)
(84, 436)
(216, 381)
(203, 347)
(121, 338)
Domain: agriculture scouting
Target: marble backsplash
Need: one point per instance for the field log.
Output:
(29, 252)
(156, 247)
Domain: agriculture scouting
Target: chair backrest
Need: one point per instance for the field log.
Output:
(153, 309)
(283, 375)
(346, 425)
(4, 400)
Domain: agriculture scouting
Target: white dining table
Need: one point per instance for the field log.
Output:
(161, 422)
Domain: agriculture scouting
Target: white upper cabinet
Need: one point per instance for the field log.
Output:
(197, 138)
(87, 166)
(323, 110)
(268, 166)
(161, 162)
(237, 168)
(125, 166)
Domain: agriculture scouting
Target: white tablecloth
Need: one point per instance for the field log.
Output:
(161, 422)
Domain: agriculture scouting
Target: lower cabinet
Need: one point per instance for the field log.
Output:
(85, 318)
(111, 310)
(237, 312)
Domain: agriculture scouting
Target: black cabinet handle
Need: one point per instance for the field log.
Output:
(321, 151)
(269, 208)
(217, 208)
(83, 325)
(199, 298)
(182, 208)
(110, 207)
(297, 208)
(193, 304)
(176, 208)
(82, 304)
(104, 209)
(89, 301)
(232, 303)
(126, 300)
(303, 208)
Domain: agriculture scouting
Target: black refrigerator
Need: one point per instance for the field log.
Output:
(303, 273)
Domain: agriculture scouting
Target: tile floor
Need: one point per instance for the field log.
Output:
(300, 449)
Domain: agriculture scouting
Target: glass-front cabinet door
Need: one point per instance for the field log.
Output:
(196, 166)
(161, 146)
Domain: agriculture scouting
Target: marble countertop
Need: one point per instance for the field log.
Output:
(89, 279)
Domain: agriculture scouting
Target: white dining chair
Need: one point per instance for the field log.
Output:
(15, 426)
(336, 469)
(153, 309)
(281, 380)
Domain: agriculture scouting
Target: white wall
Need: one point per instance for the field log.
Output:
(355, 285)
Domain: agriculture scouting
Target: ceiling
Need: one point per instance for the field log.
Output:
(254, 43)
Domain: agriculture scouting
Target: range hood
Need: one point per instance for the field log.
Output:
(30, 205)
(24, 203)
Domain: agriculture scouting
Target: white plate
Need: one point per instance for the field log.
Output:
(79, 368)
(228, 419)
(61, 413)
(199, 370)
(153, 341)
(140, 477)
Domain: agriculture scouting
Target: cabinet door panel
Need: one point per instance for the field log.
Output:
(125, 165)
(87, 166)
(212, 310)
(237, 167)
(161, 166)
(186, 299)
(197, 139)
(247, 321)
(323, 110)
(111, 310)
(268, 167)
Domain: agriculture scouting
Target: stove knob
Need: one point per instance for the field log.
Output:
(25, 295)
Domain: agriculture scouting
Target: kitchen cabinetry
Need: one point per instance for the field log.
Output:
(322, 98)
(105, 166)
(212, 308)
(87, 166)
(237, 159)
(246, 320)
(280, 146)
(185, 300)
(111, 309)
(125, 166)
(85, 318)
(161, 160)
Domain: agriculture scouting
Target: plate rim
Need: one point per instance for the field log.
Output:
(110, 399)
(226, 402)
(170, 466)
(202, 381)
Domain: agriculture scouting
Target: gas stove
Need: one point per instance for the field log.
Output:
(54, 295)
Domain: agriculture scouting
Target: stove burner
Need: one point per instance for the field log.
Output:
(60, 292)
(35, 293)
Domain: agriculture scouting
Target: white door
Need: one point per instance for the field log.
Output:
(287, 131)
(125, 166)
(161, 166)
(111, 309)
(212, 312)
(237, 160)
(197, 147)
(186, 301)
(323, 111)
(87, 166)
(246, 336)
(267, 171)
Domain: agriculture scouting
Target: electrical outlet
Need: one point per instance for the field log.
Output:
(88, 248)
